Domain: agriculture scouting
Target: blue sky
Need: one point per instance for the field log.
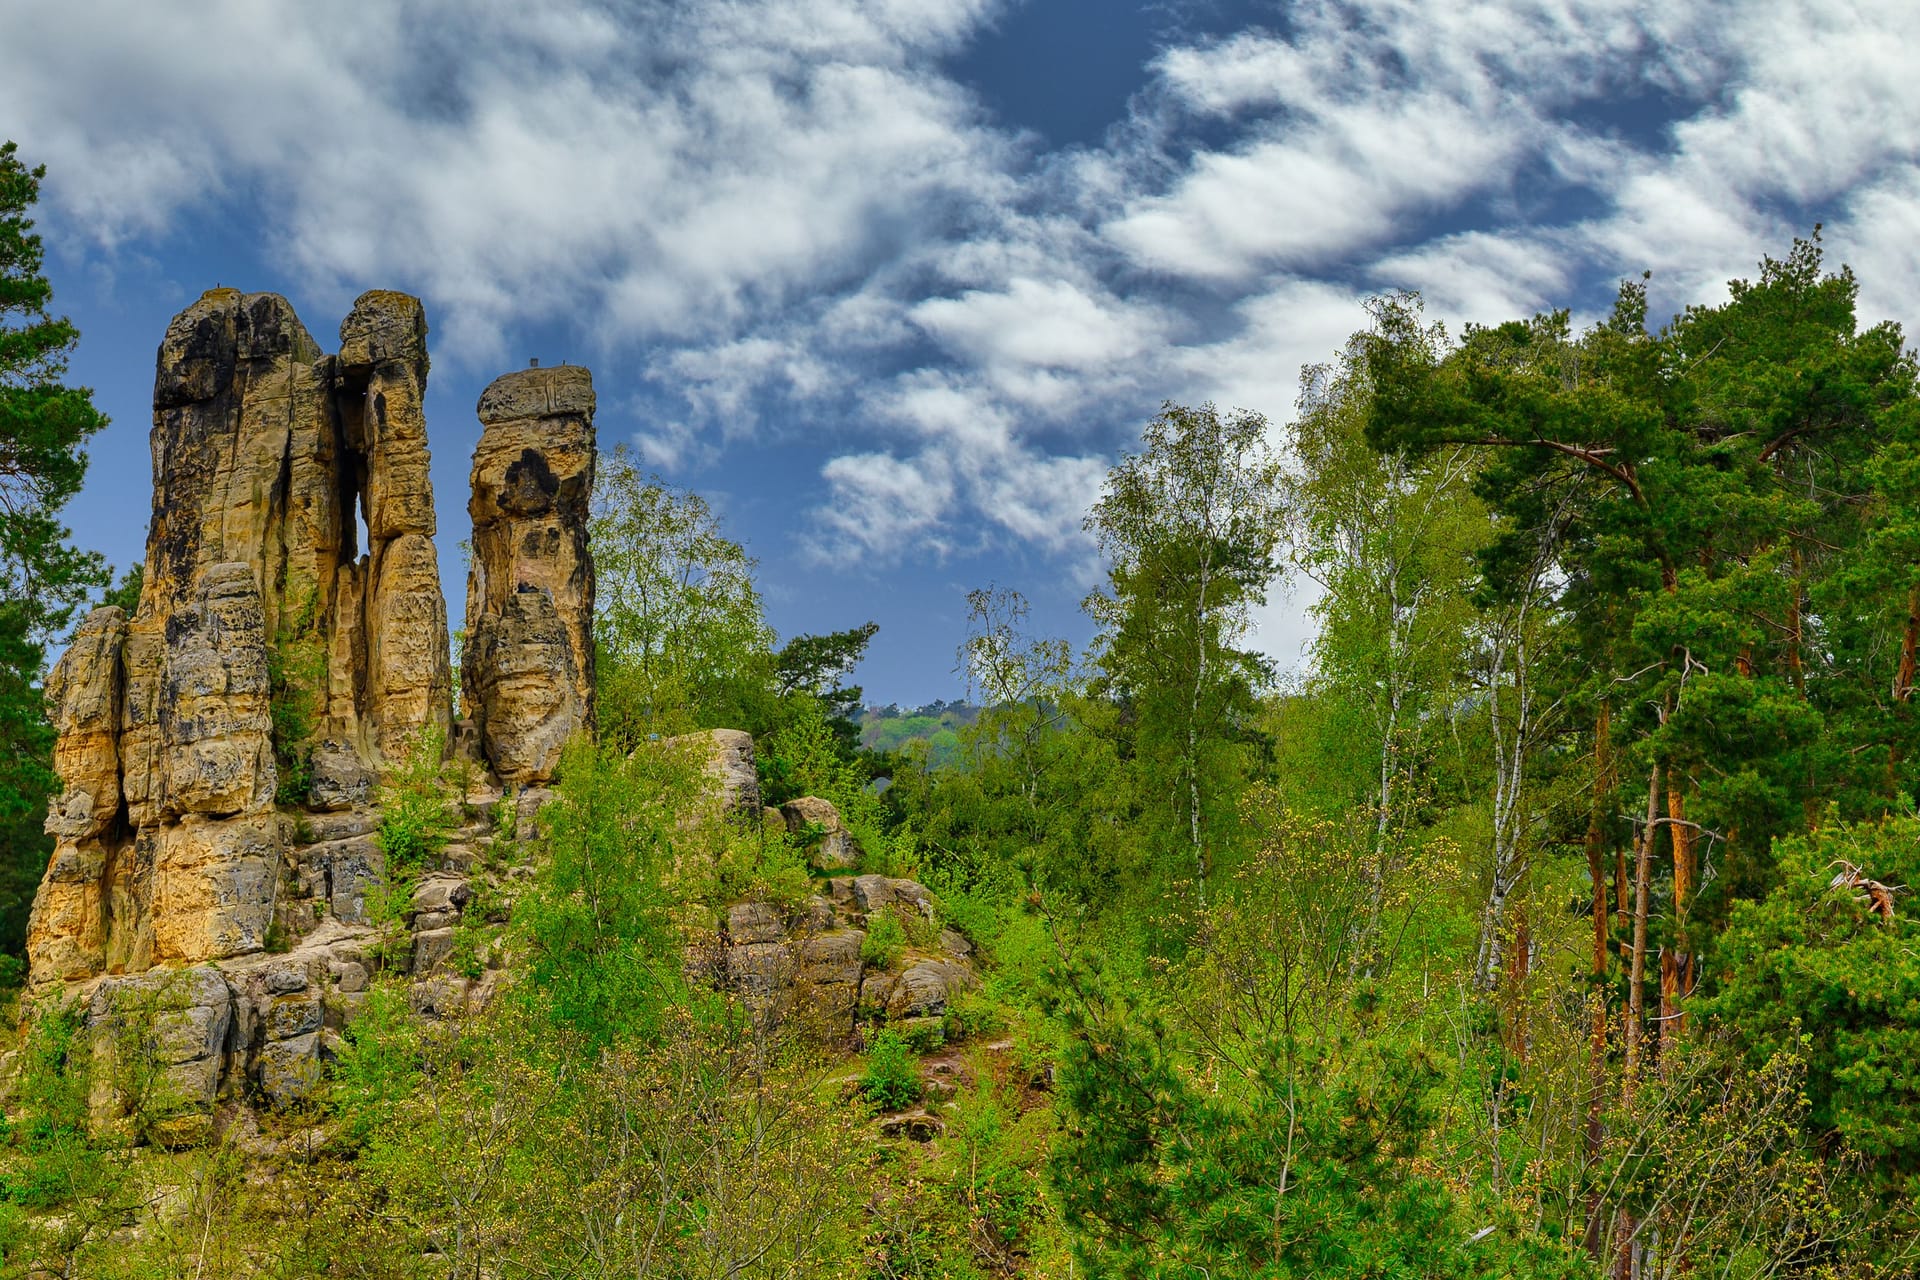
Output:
(893, 282)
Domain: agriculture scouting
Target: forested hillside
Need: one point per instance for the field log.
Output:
(1552, 921)
(938, 724)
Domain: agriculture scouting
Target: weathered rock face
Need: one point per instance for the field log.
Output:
(168, 848)
(216, 875)
(527, 672)
(830, 846)
(275, 661)
(733, 779)
(810, 964)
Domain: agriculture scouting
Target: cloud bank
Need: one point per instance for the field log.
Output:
(781, 212)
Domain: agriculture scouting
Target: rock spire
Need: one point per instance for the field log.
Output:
(527, 671)
(276, 665)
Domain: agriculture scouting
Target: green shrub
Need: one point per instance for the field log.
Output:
(506, 822)
(922, 929)
(763, 867)
(885, 940)
(296, 672)
(417, 814)
(892, 1077)
(603, 958)
(924, 1035)
(379, 1062)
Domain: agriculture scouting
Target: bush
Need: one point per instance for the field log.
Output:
(296, 673)
(885, 940)
(596, 922)
(417, 815)
(763, 867)
(892, 1078)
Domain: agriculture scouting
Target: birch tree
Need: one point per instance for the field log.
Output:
(1190, 526)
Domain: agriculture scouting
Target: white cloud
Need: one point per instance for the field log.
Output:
(1047, 324)
(878, 505)
(788, 209)
(1482, 277)
(678, 170)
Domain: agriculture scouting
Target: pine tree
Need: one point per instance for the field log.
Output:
(43, 577)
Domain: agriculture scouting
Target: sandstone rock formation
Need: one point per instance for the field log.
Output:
(527, 673)
(262, 446)
(732, 776)
(830, 846)
(810, 963)
(215, 860)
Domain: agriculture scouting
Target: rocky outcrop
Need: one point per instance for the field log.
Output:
(733, 779)
(258, 613)
(527, 671)
(812, 964)
(216, 869)
(816, 824)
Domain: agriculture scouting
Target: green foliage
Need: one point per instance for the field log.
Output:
(44, 580)
(886, 731)
(1189, 526)
(297, 675)
(603, 955)
(379, 1064)
(764, 866)
(46, 1130)
(125, 594)
(1815, 969)
(886, 939)
(817, 665)
(892, 1077)
(1262, 1155)
(43, 425)
(679, 637)
(807, 756)
(418, 812)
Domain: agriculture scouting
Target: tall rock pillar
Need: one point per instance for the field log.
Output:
(527, 670)
(382, 383)
(265, 644)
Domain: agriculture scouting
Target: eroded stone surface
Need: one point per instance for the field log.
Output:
(830, 846)
(185, 847)
(728, 759)
(265, 449)
(527, 671)
(217, 872)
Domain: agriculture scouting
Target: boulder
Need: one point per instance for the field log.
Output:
(832, 959)
(183, 1018)
(926, 989)
(288, 1071)
(754, 922)
(871, 893)
(830, 846)
(732, 775)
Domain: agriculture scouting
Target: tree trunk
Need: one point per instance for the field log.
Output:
(1509, 772)
(1518, 963)
(1193, 729)
(1903, 685)
(1597, 992)
(1676, 964)
(1636, 989)
(1909, 648)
